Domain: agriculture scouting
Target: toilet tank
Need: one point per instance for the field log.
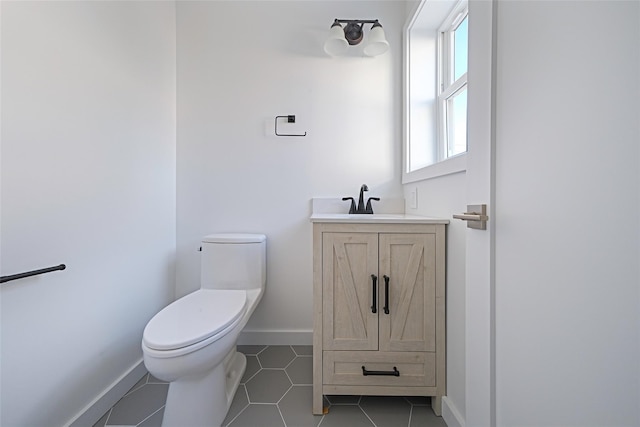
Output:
(233, 261)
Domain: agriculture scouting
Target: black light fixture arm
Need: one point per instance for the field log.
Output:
(356, 21)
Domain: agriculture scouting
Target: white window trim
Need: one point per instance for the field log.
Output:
(446, 166)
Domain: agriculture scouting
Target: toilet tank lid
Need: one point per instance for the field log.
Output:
(234, 238)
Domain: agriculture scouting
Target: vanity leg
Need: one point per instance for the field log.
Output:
(436, 405)
(317, 402)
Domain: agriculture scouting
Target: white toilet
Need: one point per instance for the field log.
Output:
(191, 343)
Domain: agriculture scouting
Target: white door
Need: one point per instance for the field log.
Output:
(553, 323)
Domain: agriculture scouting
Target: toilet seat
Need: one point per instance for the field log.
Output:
(194, 318)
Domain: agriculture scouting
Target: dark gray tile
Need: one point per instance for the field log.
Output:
(251, 349)
(419, 400)
(268, 386)
(239, 403)
(252, 368)
(139, 404)
(154, 420)
(102, 421)
(301, 370)
(141, 382)
(296, 407)
(337, 399)
(346, 415)
(386, 411)
(423, 416)
(259, 416)
(303, 350)
(276, 356)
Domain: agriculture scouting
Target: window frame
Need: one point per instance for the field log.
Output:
(427, 18)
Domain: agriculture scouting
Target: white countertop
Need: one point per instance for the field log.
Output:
(376, 218)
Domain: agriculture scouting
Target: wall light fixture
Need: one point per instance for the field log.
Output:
(352, 34)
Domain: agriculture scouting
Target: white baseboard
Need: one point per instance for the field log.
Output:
(450, 413)
(297, 337)
(103, 402)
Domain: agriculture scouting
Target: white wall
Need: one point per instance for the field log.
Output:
(239, 65)
(88, 179)
(567, 229)
(442, 197)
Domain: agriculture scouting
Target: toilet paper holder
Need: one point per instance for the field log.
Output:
(291, 118)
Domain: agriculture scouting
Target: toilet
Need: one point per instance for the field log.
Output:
(191, 343)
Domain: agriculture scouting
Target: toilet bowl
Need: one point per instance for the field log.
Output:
(191, 343)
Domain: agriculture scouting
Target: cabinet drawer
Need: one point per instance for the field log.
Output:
(345, 368)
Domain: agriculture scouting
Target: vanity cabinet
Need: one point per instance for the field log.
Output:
(379, 303)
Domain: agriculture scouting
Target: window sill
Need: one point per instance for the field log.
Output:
(446, 167)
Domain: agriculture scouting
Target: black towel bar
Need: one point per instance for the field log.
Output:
(4, 279)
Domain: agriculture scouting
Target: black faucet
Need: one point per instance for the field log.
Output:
(369, 209)
(362, 208)
(352, 209)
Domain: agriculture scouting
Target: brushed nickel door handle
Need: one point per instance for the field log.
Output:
(476, 217)
(471, 216)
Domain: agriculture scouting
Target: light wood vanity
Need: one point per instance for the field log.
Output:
(379, 306)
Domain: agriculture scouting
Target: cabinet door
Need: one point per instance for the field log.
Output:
(408, 260)
(348, 261)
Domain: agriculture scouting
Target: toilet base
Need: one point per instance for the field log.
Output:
(204, 400)
(235, 370)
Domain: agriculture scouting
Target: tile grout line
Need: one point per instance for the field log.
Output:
(292, 360)
(264, 403)
(106, 422)
(151, 415)
(251, 377)
(280, 412)
(289, 378)
(284, 394)
(238, 414)
(133, 390)
(365, 413)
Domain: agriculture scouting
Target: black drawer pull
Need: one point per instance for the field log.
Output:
(374, 279)
(394, 373)
(386, 294)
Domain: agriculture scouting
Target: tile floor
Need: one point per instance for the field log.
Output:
(276, 391)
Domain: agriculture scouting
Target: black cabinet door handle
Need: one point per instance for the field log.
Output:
(386, 294)
(394, 373)
(374, 280)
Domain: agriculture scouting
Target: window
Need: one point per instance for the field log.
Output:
(435, 103)
(452, 84)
